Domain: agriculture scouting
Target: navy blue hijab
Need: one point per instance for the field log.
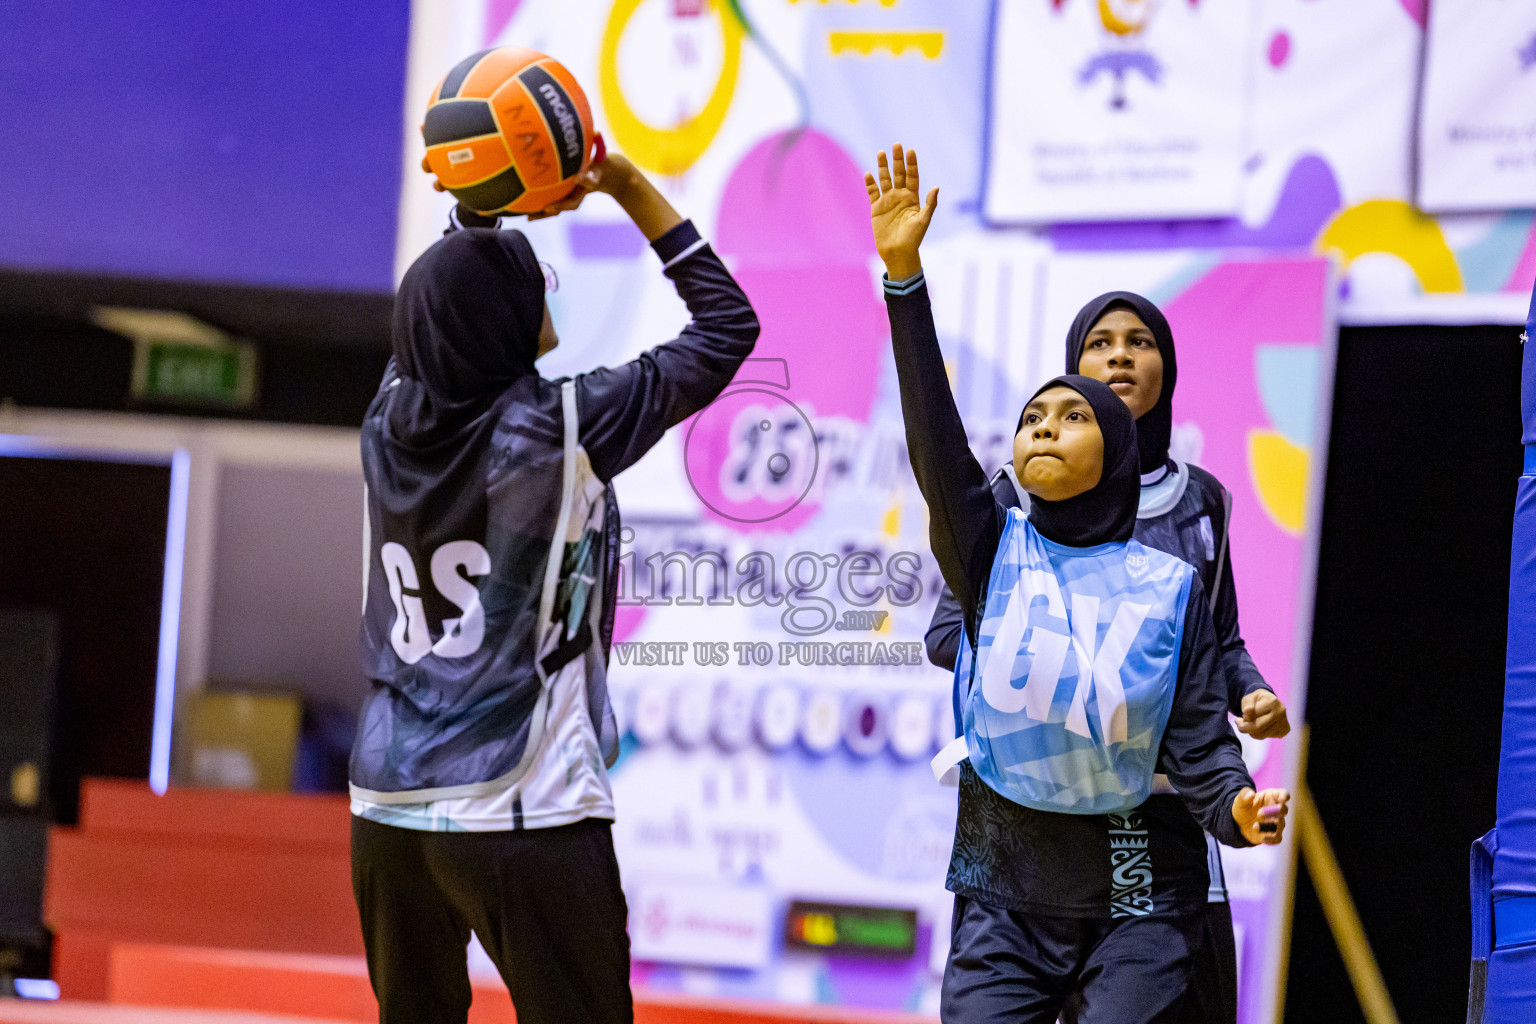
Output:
(1154, 429)
(1106, 512)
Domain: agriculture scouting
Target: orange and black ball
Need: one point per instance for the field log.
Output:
(508, 130)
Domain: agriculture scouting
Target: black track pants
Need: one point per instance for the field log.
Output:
(1020, 968)
(1212, 994)
(545, 903)
(1212, 997)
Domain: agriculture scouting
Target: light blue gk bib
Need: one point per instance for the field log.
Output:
(1065, 700)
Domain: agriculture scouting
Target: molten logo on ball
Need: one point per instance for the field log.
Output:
(508, 130)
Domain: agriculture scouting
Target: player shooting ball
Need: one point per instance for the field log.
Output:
(479, 782)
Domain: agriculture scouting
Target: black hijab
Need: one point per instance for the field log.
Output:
(1106, 512)
(1155, 427)
(465, 335)
(467, 316)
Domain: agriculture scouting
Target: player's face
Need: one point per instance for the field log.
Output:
(1122, 352)
(1059, 452)
(548, 339)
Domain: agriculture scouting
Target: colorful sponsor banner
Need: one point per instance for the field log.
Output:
(769, 673)
(1477, 120)
(1326, 163)
(1116, 110)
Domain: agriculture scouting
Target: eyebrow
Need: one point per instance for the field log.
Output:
(1075, 402)
(1107, 330)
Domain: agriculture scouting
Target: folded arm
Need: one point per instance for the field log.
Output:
(1261, 714)
(1200, 752)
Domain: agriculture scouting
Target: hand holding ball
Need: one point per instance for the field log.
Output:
(508, 130)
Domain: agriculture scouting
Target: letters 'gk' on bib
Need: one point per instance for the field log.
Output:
(1070, 686)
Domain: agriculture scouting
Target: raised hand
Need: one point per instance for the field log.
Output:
(425, 166)
(897, 213)
(613, 175)
(1261, 815)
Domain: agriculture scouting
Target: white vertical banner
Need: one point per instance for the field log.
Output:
(1116, 110)
(1477, 120)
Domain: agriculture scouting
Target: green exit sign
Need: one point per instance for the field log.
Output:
(222, 374)
(180, 360)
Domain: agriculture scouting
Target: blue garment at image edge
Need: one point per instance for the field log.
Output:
(1503, 982)
(1074, 671)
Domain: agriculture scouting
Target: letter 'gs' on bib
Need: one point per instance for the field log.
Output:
(1067, 693)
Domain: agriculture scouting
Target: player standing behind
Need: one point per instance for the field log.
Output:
(1095, 660)
(480, 794)
(1124, 340)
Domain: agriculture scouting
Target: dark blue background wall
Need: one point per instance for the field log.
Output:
(219, 141)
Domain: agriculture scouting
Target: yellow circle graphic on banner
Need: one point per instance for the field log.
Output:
(1280, 476)
(1394, 227)
(1126, 17)
(667, 151)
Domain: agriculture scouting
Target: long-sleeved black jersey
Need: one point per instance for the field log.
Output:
(1008, 855)
(461, 516)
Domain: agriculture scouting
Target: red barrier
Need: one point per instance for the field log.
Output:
(337, 987)
(29, 1011)
(319, 986)
(226, 900)
(197, 867)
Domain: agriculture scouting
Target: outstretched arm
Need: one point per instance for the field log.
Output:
(626, 409)
(964, 519)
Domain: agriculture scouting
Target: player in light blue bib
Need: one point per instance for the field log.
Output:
(1095, 664)
(1124, 340)
(1072, 678)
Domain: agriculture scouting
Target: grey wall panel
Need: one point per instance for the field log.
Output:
(288, 581)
